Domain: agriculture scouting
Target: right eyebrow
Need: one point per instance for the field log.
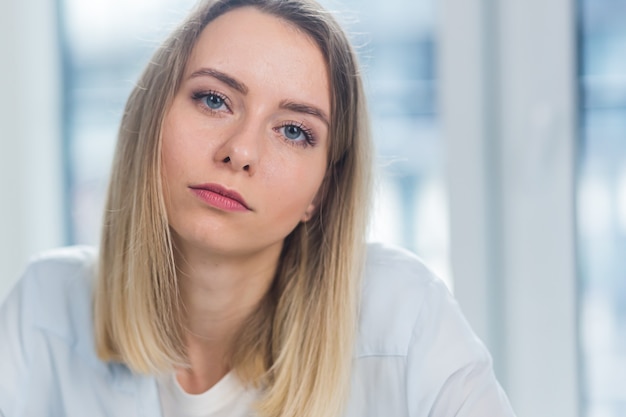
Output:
(225, 78)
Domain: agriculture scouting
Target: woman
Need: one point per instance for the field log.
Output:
(233, 278)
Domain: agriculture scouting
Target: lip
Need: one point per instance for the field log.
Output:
(220, 197)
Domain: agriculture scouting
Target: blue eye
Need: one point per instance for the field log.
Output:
(213, 101)
(292, 132)
(296, 133)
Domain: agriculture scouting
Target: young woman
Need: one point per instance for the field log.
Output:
(232, 277)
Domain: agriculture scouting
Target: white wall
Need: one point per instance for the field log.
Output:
(508, 82)
(30, 154)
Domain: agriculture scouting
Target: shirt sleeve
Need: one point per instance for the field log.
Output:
(449, 371)
(14, 319)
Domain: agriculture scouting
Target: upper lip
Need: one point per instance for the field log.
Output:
(219, 189)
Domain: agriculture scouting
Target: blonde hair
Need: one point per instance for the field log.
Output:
(298, 345)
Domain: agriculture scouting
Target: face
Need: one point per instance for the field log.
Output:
(244, 143)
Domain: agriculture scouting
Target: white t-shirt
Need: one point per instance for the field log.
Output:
(228, 398)
(415, 355)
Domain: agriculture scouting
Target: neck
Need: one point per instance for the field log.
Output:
(218, 294)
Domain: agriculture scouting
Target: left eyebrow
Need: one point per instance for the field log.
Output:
(304, 108)
(223, 77)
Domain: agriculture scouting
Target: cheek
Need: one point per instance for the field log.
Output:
(300, 188)
(168, 151)
(179, 153)
(169, 165)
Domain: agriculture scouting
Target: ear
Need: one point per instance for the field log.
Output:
(321, 192)
(308, 213)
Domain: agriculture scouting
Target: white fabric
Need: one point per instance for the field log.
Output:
(227, 398)
(415, 354)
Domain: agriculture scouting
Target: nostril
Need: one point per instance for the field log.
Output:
(246, 168)
(227, 159)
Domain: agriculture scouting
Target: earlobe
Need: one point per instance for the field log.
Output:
(310, 210)
(308, 213)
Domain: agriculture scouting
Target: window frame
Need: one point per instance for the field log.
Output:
(509, 109)
(31, 162)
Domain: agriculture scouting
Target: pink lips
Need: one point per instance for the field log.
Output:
(219, 197)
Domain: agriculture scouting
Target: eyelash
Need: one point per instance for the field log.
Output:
(309, 136)
(199, 97)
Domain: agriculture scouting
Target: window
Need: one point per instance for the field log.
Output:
(602, 205)
(109, 42)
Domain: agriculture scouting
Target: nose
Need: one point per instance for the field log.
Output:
(240, 149)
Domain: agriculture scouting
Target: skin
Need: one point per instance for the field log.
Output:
(243, 139)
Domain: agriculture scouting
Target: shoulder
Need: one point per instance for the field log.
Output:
(395, 266)
(414, 346)
(56, 290)
(47, 312)
(49, 364)
(60, 264)
(55, 275)
(398, 291)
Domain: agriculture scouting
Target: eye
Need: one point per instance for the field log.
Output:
(292, 132)
(211, 100)
(297, 134)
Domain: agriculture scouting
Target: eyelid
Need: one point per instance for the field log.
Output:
(310, 138)
(198, 95)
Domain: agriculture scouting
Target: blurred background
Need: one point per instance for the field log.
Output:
(500, 128)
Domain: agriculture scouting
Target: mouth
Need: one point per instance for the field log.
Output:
(220, 197)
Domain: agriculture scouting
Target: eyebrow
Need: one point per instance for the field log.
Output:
(304, 108)
(226, 79)
(242, 88)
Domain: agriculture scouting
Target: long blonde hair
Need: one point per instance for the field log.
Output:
(298, 345)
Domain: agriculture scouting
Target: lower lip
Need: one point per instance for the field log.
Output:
(219, 201)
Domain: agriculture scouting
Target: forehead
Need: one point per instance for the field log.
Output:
(242, 22)
(256, 47)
